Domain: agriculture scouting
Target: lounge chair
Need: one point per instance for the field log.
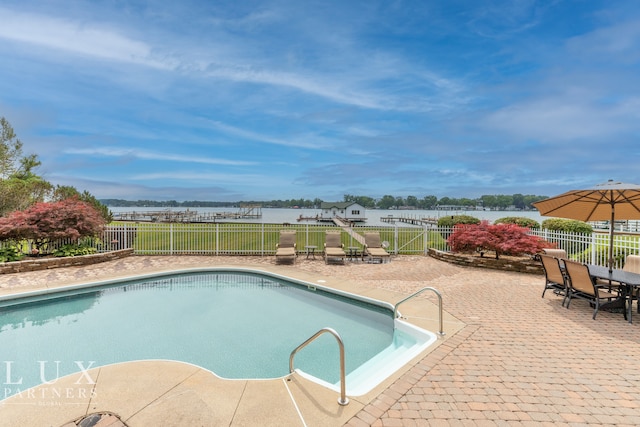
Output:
(333, 248)
(373, 247)
(286, 247)
(554, 277)
(582, 285)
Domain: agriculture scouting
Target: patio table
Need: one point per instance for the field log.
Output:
(628, 280)
(353, 252)
(311, 251)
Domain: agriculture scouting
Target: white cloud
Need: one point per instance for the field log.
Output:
(92, 40)
(150, 155)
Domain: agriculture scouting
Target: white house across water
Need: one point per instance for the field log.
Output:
(349, 211)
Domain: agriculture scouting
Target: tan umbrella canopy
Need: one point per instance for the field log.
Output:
(604, 202)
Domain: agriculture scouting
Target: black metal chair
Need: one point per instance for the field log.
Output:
(554, 276)
(583, 286)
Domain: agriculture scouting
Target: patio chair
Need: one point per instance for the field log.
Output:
(582, 285)
(632, 265)
(558, 253)
(286, 247)
(333, 248)
(373, 247)
(554, 276)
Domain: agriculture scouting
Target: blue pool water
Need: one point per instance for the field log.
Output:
(237, 324)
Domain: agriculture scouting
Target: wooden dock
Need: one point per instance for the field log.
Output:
(188, 216)
(346, 227)
(410, 220)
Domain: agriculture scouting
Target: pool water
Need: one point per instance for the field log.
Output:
(236, 324)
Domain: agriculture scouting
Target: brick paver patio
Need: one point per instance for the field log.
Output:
(520, 360)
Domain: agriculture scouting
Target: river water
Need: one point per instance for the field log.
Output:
(278, 216)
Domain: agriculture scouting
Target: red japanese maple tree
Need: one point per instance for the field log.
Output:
(45, 222)
(503, 239)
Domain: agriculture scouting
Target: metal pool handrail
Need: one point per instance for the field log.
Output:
(395, 309)
(343, 400)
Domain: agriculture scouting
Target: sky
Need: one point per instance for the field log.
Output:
(287, 99)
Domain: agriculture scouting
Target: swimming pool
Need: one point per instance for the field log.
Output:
(236, 323)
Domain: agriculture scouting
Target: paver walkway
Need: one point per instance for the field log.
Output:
(520, 360)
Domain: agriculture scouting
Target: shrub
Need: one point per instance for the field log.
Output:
(10, 254)
(74, 250)
(518, 220)
(44, 222)
(567, 225)
(503, 239)
(453, 220)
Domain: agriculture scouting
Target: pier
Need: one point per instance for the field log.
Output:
(188, 216)
(410, 220)
(346, 226)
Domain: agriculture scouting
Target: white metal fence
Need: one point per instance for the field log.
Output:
(593, 248)
(261, 239)
(252, 239)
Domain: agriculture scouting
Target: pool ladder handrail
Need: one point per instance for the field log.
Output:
(343, 400)
(428, 288)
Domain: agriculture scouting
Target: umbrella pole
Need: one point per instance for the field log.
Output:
(611, 238)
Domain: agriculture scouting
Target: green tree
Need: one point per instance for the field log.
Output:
(63, 192)
(518, 201)
(387, 202)
(429, 202)
(20, 187)
(366, 201)
(412, 201)
(10, 149)
(489, 201)
(504, 201)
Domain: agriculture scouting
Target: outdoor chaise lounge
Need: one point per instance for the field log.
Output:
(333, 248)
(286, 247)
(582, 285)
(554, 277)
(373, 247)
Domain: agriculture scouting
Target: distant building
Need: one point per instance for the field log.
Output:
(350, 211)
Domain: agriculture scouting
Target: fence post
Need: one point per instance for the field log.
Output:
(125, 237)
(307, 234)
(425, 243)
(171, 238)
(395, 239)
(217, 239)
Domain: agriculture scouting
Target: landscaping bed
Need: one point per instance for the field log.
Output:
(46, 263)
(524, 264)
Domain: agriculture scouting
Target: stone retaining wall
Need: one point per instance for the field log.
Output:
(35, 264)
(523, 265)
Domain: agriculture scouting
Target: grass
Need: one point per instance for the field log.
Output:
(248, 238)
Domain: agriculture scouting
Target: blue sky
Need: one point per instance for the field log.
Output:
(262, 100)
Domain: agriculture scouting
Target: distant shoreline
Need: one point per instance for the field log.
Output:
(291, 215)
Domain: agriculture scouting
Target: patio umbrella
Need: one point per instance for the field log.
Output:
(604, 202)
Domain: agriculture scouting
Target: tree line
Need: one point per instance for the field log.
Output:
(494, 202)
